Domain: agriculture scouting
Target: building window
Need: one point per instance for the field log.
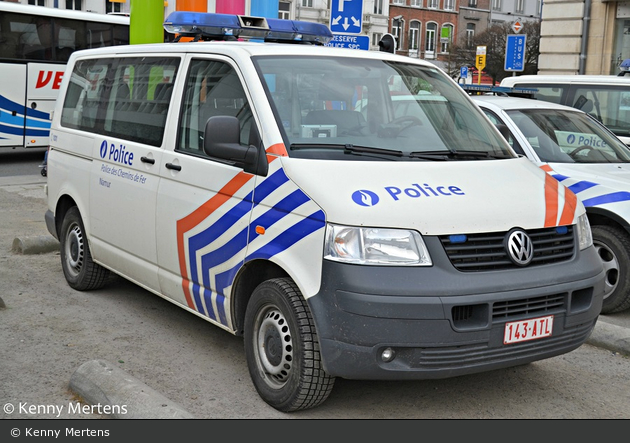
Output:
(415, 3)
(376, 37)
(112, 7)
(446, 37)
(307, 3)
(399, 2)
(429, 44)
(37, 2)
(433, 4)
(449, 5)
(472, 3)
(470, 34)
(496, 5)
(73, 4)
(397, 31)
(284, 10)
(520, 6)
(378, 7)
(414, 35)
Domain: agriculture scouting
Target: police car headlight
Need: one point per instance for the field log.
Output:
(375, 246)
(585, 236)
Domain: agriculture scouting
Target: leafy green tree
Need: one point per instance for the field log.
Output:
(495, 40)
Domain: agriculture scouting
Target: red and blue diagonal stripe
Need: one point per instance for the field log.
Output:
(583, 185)
(209, 262)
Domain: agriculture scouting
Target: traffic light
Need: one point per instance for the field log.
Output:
(387, 43)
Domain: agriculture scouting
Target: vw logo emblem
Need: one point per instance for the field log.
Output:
(519, 247)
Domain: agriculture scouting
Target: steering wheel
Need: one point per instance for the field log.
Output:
(410, 119)
(576, 151)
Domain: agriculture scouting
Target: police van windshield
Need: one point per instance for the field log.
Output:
(569, 137)
(336, 107)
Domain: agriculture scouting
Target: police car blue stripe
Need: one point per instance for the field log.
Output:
(613, 197)
(581, 186)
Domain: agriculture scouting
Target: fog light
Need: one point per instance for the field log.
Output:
(388, 355)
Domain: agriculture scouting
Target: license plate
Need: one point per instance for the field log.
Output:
(525, 330)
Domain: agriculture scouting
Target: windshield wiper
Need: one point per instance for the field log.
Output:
(347, 148)
(452, 153)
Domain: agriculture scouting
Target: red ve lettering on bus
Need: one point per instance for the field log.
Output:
(43, 81)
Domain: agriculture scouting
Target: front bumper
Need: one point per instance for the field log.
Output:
(441, 322)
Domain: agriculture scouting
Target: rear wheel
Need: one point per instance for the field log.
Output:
(282, 349)
(613, 247)
(80, 271)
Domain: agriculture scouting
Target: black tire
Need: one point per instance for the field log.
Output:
(613, 247)
(282, 349)
(44, 172)
(80, 271)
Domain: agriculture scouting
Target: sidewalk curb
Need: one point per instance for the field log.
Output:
(612, 337)
(98, 382)
(35, 245)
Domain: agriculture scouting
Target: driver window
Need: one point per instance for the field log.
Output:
(212, 88)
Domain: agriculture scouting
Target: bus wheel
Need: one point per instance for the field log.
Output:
(282, 349)
(613, 247)
(80, 271)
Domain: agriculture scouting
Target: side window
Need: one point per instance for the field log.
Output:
(212, 88)
(85, 91)
(511, 140)
(550, 93)
(126, 98)
(609, 105)
(140, 99)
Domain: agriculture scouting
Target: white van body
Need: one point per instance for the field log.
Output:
(587, 158)
(265, 195)
(605, 97)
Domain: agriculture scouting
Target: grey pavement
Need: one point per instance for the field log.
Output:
(99, 382)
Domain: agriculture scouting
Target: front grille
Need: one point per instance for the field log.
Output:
(486, 251)
(467, 356)
(528, 307)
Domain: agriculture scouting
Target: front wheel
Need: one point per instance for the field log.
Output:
(282, 350)
(613, 247)
(80, 271)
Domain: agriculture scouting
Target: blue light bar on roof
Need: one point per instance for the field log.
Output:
(212, 26)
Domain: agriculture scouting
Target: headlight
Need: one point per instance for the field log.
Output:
(375, 246)
(585, 236)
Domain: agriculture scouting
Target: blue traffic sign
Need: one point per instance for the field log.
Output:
(463, 72)
(515, 52)
(350, 41)
(346, 16)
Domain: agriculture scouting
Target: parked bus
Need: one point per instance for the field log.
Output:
(35, 44)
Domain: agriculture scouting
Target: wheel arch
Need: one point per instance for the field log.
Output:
(599, 216)
(64, 203)
(249, 277)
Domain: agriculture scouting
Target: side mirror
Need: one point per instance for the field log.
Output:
(222, 141)
(504, 130)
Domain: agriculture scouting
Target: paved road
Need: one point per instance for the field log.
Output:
(124, 346)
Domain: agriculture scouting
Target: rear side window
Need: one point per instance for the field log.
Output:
(126, 98)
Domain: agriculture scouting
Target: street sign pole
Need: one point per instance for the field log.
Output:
(480, 62)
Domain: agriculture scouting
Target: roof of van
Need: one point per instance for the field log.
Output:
(247, 48)
(518, 103)
(589, 79)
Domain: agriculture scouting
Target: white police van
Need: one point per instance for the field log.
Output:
(268, 189)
